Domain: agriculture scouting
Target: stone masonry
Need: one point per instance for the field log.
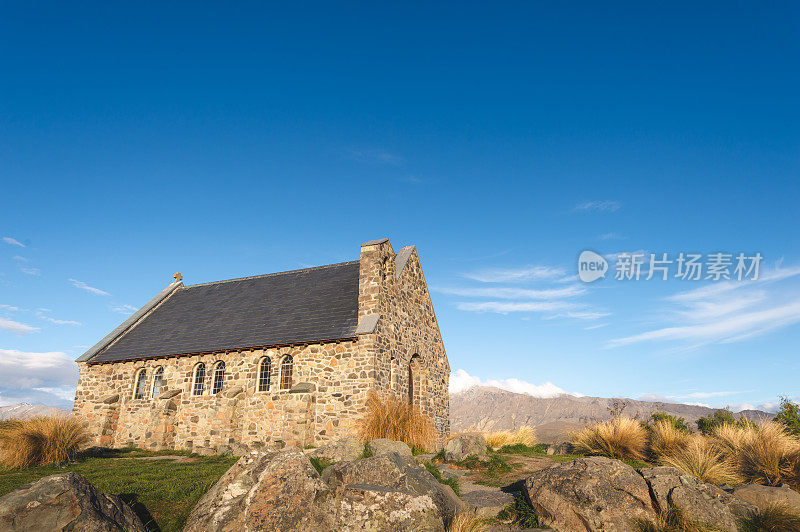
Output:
(401, 354)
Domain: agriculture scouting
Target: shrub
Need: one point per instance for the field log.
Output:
(707, 424)
(519, 513)
(501, 438)
(789, 415)
(521, 448)
(666, 438)
(449, 481)
(775, 518)
(467, 522)
(703, 459)
(622, 437)
(677, 423)
(41, 441)
(770, 455)
(396, 420)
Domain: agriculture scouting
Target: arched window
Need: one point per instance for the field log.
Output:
(264, 371)
(219, 377)
(286, 373)
(158, 382)
(198, 383)
(141, 385)
(413, 366)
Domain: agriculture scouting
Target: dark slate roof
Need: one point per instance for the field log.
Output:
(307, 305)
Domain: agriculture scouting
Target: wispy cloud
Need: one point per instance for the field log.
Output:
(17, 327)
(90, 289)
(123, 309)
(31, 271)
(504, 307)
(9, 307)
(525, 273)
(41, 314)
(13, 241)
(19, 258)
(598, 206)
(460, 380)
(727, 312)
(515, 293)
(612, 236)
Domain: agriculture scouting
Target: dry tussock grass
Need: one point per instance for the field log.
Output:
(667, 440)
(396, 420)
(704, 459)
(769, 455)
(621, 437)
(466, 522)
(500, 438)
(41, 441)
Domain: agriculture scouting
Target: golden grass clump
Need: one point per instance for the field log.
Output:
(704, 459)
(467, 522)
(41, 441)
(673, 520)
(667, 440)
(731, 437)
(396, 420)
(621, 437)
(501, 438)
(770, 455)
(777, 518)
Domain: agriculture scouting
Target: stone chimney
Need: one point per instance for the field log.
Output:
(376, 269)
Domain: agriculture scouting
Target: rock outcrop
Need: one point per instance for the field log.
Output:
(386, 446)
(342, 450)
(763, 497)
(66, 502)
(696, 499)
(464, 445)
(589, 494)
(282, 491)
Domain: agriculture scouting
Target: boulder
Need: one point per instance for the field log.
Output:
(702, 502)
(386, 446)
(282, 491)
(464, 445)
(263, 491)
(399, 473)
(65, 502)
(344, 449)
(589, 494)
(764, 496)
(559, 448)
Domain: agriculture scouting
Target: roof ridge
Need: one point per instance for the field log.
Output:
(271, 274)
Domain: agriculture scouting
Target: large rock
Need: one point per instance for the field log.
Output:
(263, 491)
(283, 491)
(65, 502)
(386, 446)
(764, 496)
(696, 499)
(589, 494)
(464, 445)
(344, 449)
(399, 473)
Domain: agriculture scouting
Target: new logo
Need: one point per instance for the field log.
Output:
(591, 266)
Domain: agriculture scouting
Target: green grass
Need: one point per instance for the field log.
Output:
(495, 465)
(161, 492)
(320, 463)
(519, 513)
(367, 452)
(452, 482)
(524, 450)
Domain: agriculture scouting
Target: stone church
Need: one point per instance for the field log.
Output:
(284, 357)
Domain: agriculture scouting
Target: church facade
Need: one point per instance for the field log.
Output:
(288, 357)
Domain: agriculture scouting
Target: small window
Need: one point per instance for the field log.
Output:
(141, 385)
(286, 373)
(392, 379)
(264, 371)
(198, 385)
(219, 377)
(158, 382)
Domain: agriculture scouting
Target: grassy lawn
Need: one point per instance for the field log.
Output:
(162, 492)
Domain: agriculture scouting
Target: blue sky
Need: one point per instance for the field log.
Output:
(221, 141)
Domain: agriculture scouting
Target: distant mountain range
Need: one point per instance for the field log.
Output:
(486, 409)
(25, 411)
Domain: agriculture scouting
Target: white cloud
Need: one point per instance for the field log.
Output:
(19, 258)
(599, 206)
(374, 156)
(28, 369)
(505, 275)
(41, 313)
(31, 271)
(612, 236)
(16, 327)
(90, 289)
(123, 309)
(506, 307)
(13, 241)
(515, 293)
(580, 315)
(460, 380)
(9, 307)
